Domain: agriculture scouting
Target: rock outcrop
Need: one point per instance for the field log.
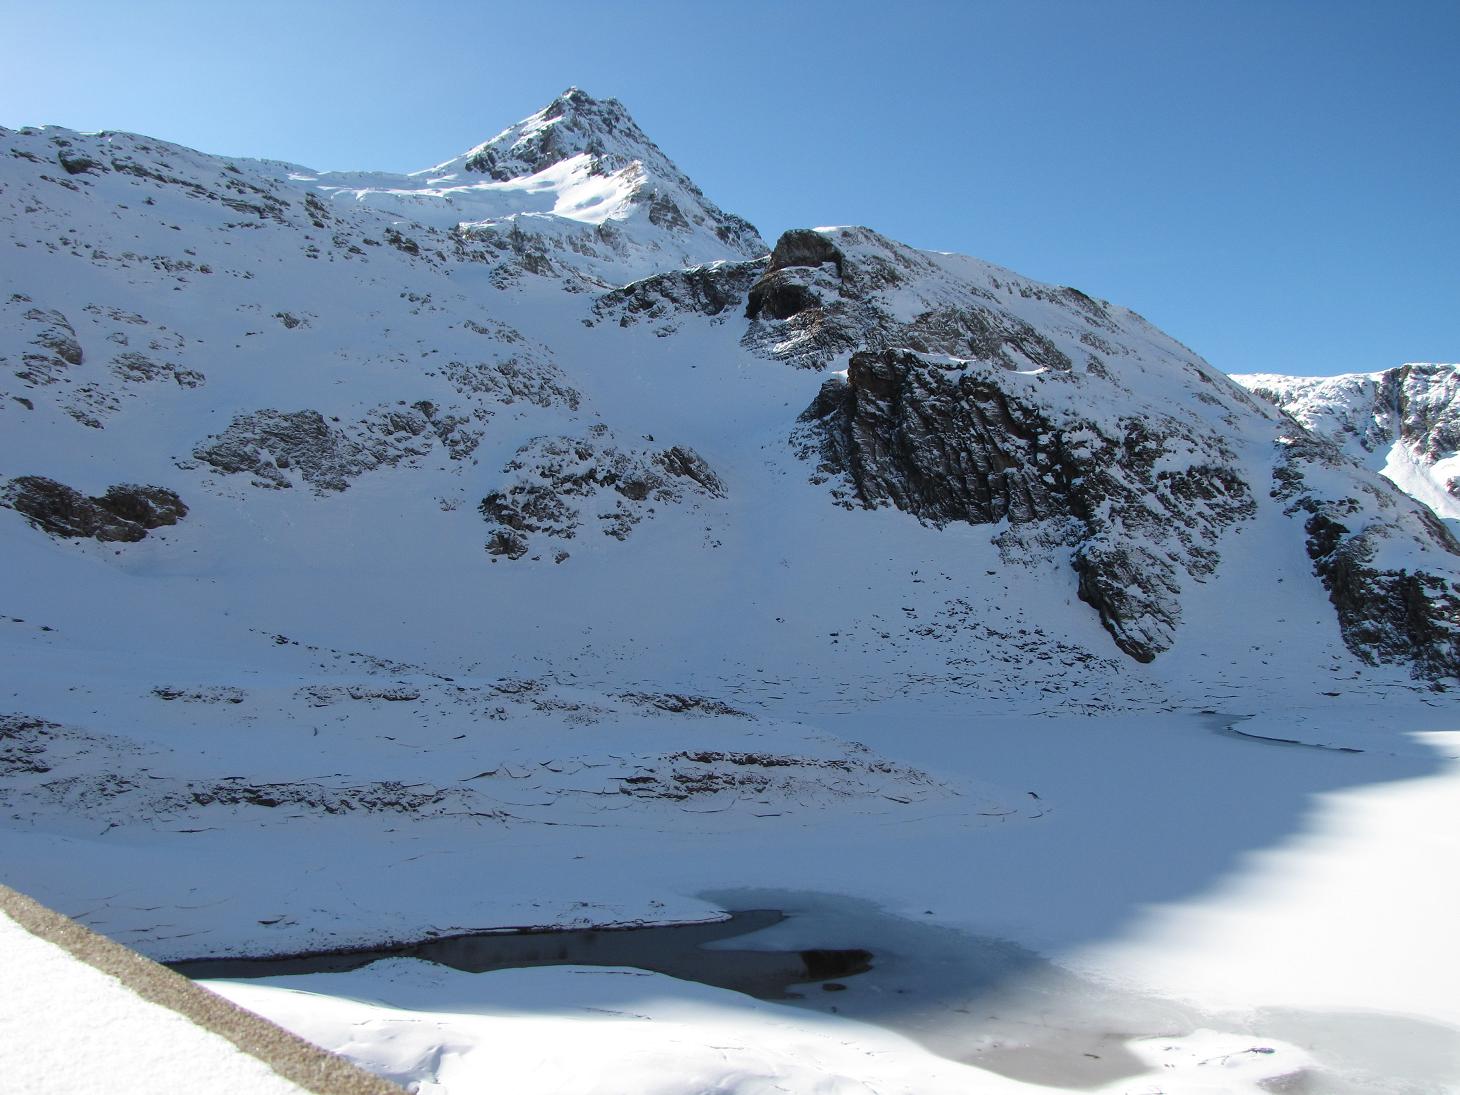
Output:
(124, 514)
(1373, 548)
(716, 291)
(942, 440)
(269, 444)
(53, 349)
(1403, 421)
(559, 484)
(274, 447)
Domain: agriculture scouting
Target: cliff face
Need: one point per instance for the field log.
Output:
(973, 395)
(943, 441)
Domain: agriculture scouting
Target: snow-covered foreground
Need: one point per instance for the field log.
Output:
(69, 1029)
(1062, 900)
(1180, 909)
(601, 1029)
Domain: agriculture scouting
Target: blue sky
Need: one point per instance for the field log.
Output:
(1276, 184)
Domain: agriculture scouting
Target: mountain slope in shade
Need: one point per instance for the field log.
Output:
(1402, 422)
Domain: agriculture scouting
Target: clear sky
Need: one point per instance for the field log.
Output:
(1277, 184)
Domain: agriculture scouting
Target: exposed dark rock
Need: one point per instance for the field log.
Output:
(321, 695)
(676, 704)
(688, 464)
(713, 290)
(125, 513)
(1418, 404)
(146, 506)
(78, 165)
(139, 368)
(663, 213)
(319, 214)
(423, 420)
(378, 797)
(945, 442)
(211, 694)
(989, 336)
(521, 375)
(506, 542)
(559, 481)
(136, 367)
(779, 298)
(946, 447)
(1385, 613)
(56, 347)
(272, 445)
(814, 304)
(402, 243)
(119, 315)
(684, 775)
(49, 767)
(264, 442)
(803, 247)
(576, 124)
(233, 192)
(1426, 405)
(581, 120)
(24, 742)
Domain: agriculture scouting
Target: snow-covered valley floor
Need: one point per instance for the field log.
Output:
(1125, 903)
(1178, 910)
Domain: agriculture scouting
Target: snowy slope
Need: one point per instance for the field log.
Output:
(526, 533)
(1402, 422)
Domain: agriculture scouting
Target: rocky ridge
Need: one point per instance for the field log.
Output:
(1357, 532)
(1404, 422)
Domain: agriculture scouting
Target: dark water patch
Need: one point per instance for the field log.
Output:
(677, 950)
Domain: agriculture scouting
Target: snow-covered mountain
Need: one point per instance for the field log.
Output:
(576, 189)
(1402, 422)
(534, 494)
(482, 394)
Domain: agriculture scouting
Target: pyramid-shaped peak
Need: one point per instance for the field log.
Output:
(575, 99)
(584, 159)
(574, 123)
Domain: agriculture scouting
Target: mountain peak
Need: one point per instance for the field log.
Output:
(572, 124)
(586, 162)
(574, 98)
